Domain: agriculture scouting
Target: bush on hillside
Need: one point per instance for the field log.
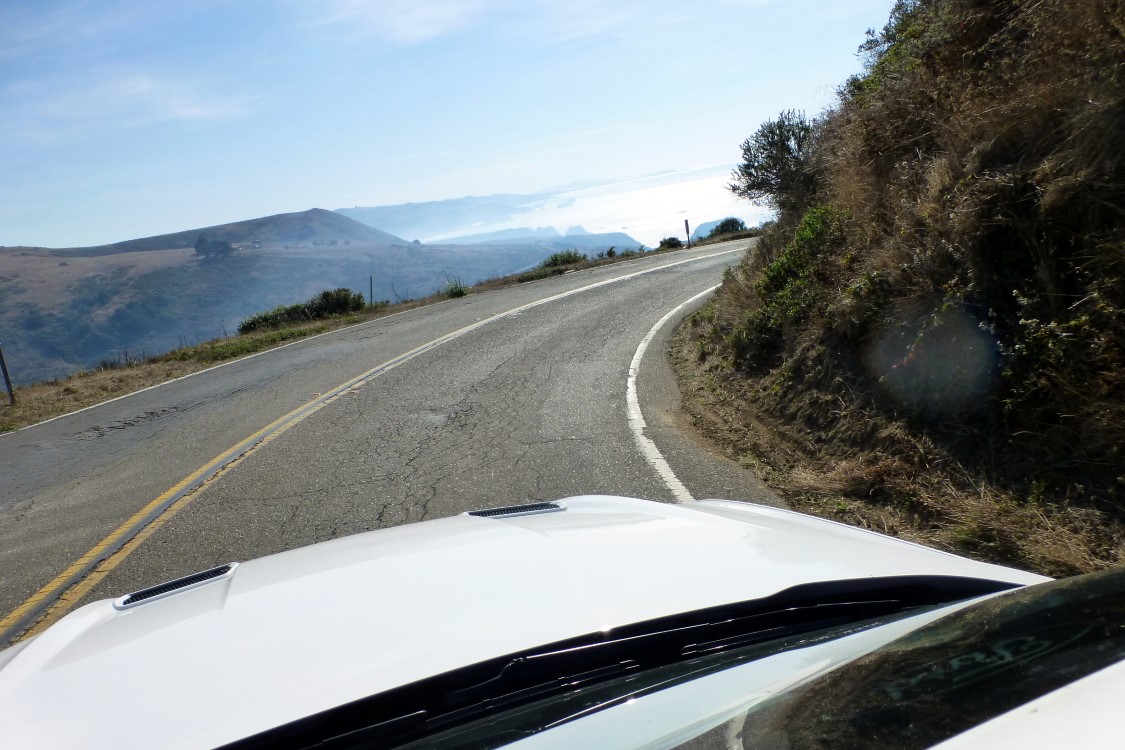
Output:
(209, 246)
(729, 225)
(563, 258)
(776, 166)
(324, 305)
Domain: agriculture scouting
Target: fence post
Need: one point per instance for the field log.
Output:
(7, 380)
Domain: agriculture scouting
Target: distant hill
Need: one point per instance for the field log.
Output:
(704, 229)
(520, 234)
(314, 225)
(434, 218)
(548, 237)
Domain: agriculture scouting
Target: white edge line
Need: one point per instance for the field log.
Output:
(636, 420)
(212, 368)
(440, 339)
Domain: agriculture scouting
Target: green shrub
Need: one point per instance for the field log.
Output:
(785, 291)
(454, 287)
(563, 258)
(327, 304)
(729, 225)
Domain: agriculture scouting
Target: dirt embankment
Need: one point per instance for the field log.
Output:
(931, 341)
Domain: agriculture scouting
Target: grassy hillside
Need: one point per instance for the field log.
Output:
(60, 313)
(932, 340)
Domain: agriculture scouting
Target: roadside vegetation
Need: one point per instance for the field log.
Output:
(328, 304)
(930, 341)
(329, 310)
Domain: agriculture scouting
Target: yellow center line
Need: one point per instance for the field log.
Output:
(53, 600)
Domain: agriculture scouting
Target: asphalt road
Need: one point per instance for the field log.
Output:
(528, 405)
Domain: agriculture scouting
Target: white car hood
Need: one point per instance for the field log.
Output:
(296, 633)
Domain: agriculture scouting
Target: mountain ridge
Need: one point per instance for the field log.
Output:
(315, 224)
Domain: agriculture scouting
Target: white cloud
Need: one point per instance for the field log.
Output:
(646, 208)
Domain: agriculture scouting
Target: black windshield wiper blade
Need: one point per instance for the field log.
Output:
(414, 711)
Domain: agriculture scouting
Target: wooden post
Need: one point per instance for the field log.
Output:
(7, 380)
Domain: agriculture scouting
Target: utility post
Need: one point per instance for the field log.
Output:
(7, 380)
(687, 231)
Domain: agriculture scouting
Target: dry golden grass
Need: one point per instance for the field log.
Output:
(42, 401)
(900, 484)
(36, 276)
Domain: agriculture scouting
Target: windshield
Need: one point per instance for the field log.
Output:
(524, 693)
(906, 681)
(957, 673)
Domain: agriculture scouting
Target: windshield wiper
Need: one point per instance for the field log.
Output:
(414, 711)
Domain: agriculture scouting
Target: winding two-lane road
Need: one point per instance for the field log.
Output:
(493, 399)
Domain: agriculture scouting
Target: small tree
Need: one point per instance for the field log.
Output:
(776, 164)
(729, 225)
(206, 246)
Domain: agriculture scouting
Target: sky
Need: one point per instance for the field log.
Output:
(122, 119)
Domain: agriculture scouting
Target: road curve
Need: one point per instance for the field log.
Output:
(502, 397)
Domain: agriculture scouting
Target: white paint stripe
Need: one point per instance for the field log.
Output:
(367, 323)
(636, 420)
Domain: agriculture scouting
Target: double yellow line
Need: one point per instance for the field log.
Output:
(53, 600)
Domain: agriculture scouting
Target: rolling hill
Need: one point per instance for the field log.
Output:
(63, 310)
(433, 218)
(548, 237)
(313, 225)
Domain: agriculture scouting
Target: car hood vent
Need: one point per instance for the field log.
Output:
(529, 509)
(174, 587)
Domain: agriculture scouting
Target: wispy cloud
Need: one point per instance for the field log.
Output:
(408, 21)
(35, 29)
(46, 110)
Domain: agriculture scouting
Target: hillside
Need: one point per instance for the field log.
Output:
(313, 225)
(931, 342)
(72, 309)
(550, 239)
(434, 218)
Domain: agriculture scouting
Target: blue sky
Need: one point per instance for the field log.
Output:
(123, 119)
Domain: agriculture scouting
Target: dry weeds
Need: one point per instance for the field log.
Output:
(953, 369)
(902, 484)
